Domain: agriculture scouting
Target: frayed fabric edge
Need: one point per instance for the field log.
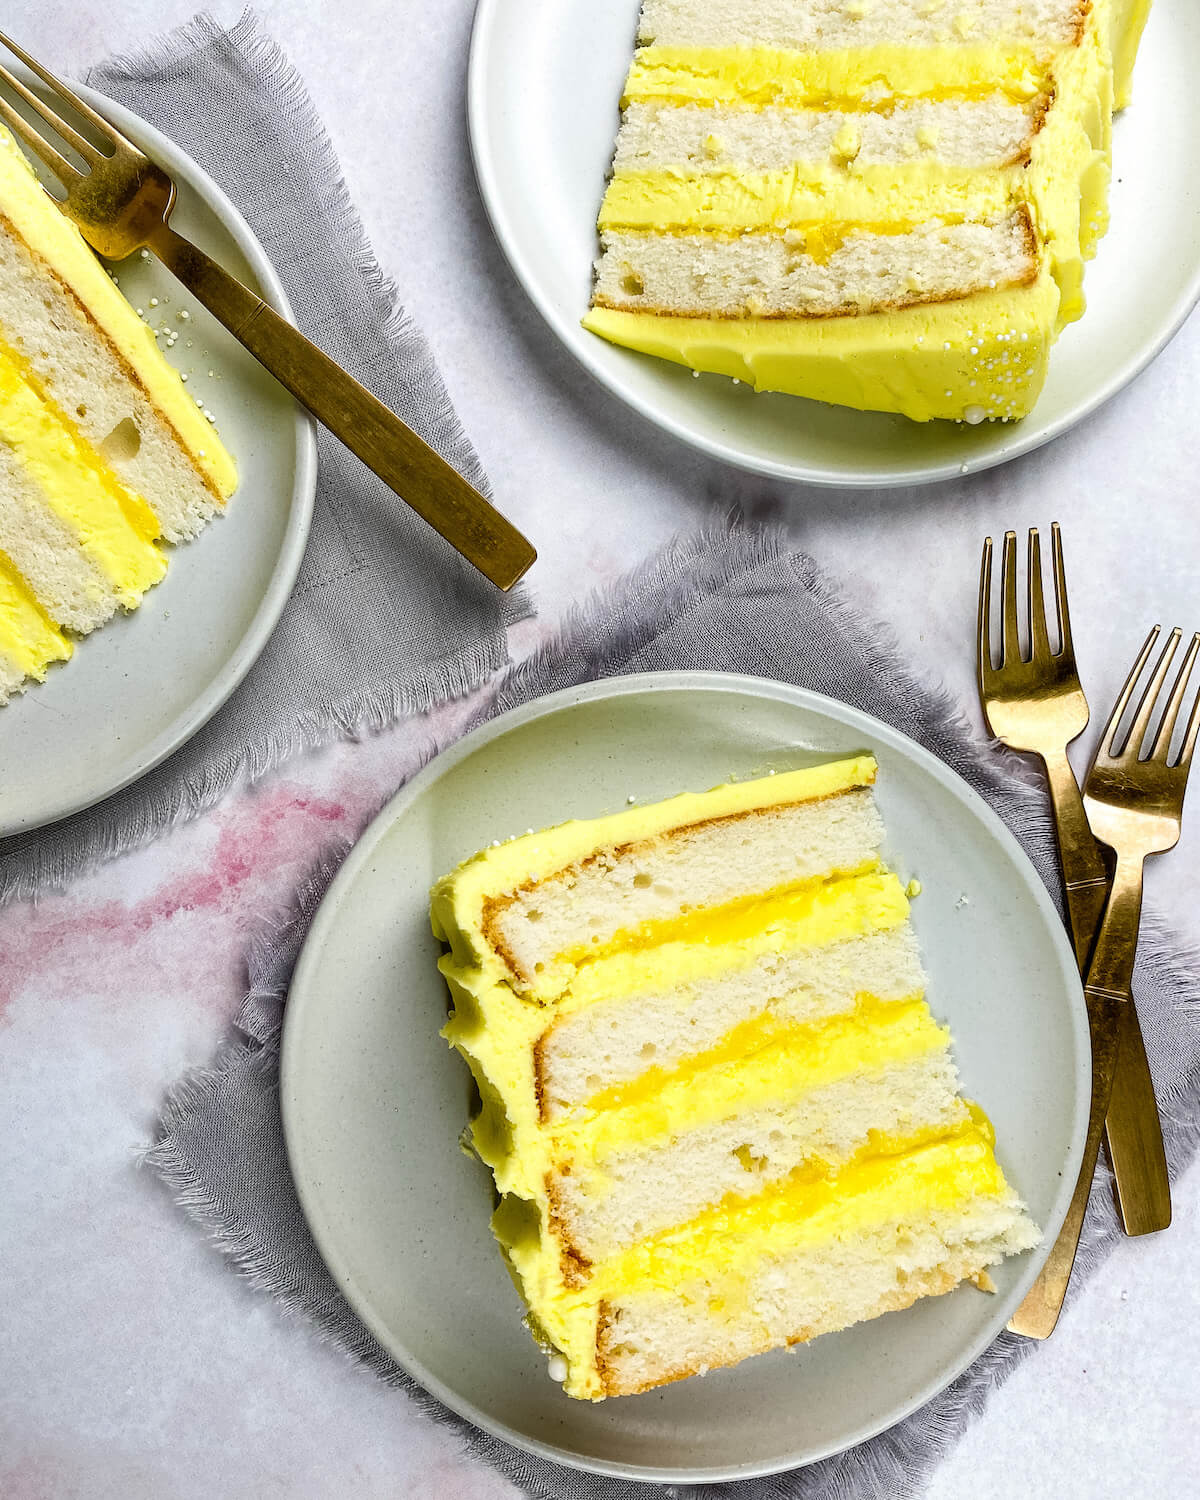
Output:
(899, 1460)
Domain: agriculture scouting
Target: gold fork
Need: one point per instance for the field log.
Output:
(1039, 706)
(122, 201)
(1134, 800)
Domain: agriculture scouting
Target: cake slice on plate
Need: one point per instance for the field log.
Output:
(719, 1113)
(881, 205)
(102, 451)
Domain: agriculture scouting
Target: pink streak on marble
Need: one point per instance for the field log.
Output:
(263, 843)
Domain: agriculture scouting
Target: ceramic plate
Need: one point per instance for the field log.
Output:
(542, 129)
(141, 686)
(374, 1102)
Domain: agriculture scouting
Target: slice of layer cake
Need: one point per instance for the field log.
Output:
(881, 205)
(102, 451)
(719, 1113)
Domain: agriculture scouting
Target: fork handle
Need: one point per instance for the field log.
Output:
(1135, 1140)
(1038, 1314)
(419, 475)
(1109, 1001)
(1135, 1143)
(1085, 878)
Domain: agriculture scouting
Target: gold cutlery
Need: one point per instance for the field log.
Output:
(1133, 797)
(122, 202)
(1038, 706)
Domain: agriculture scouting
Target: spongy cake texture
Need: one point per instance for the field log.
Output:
(720, 1115)
(879, 205)
(103, 454)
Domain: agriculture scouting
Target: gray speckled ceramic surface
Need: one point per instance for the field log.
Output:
(374, 1101)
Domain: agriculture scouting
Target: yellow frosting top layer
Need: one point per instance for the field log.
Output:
(456, 903)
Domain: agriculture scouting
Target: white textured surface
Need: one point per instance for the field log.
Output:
(134, 1363)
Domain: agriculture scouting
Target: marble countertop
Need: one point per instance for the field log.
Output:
(133, 1362)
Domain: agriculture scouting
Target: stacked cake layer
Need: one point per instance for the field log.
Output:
(719, 1113)
(102, 451)
(886, 206)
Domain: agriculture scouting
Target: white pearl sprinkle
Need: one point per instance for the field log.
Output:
(183, 376)
(153, 301)
(557, 1369)
(974, 415)
(183, 315)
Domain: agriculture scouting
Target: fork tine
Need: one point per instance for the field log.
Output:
(68, 133)
(38, 143)
(984, 632)
(1139, 728)
(1066, 646)
(109, 131)
(1039, 636)
(1109, 737)
(1162, 742)
(1010, 640)
(1193, 727)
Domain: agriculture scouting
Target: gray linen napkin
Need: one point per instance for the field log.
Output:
(734, 602)
(385, 619)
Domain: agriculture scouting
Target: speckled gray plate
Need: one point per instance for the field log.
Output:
(373, 1101)
(542, 130)
(136, 690)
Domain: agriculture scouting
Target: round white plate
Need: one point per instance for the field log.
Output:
(137, 689)
(542, 106)
(374, 1101)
